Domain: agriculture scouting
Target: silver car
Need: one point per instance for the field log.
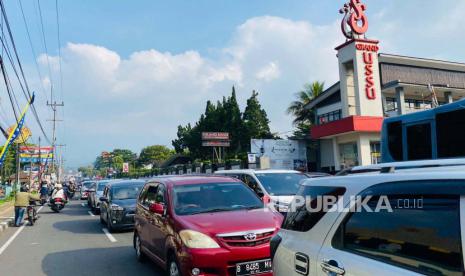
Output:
(94, 196)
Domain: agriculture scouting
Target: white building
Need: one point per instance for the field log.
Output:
(372, 86)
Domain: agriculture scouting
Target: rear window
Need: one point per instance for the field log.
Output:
(450, 132)
(395, 140)
(302, 220)
(419, 142)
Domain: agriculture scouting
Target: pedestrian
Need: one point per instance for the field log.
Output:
(22, 199)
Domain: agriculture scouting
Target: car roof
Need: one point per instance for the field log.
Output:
(255, 171)
(355, 183)
(193, 179)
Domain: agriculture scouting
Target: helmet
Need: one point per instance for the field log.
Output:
(23, 189)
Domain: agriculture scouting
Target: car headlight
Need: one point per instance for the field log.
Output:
(194, 239)
(115, 207)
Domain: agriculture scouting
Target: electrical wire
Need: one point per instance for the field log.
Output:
(25, 88)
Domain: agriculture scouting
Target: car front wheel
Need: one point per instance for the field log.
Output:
(173, 267)
(137, 246)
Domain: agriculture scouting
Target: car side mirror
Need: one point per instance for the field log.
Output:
(157, 208)
(103, 199)
(266, 199)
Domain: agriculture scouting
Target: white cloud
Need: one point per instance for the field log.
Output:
(268, 72)
(131, 102)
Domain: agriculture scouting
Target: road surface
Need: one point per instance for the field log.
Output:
(72, 242)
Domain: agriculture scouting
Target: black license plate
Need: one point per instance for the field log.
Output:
(254, 268)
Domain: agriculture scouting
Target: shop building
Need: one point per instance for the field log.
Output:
(372, 86)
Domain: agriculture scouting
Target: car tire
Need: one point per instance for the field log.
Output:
(173, 268)
(137, 246)
(109, 226)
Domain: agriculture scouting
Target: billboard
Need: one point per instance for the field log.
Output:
(35, 154)
(283, 154)
(215, 143)
(125, 167)
(215, 136)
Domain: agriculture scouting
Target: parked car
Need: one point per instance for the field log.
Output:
(278, 185)
(86, 186)
(96, 193)
(118, 204)
(420, 232)
(204, 225)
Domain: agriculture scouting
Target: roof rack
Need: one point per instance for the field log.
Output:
(392, 167)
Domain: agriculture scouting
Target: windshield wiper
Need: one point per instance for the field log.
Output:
(214, 210)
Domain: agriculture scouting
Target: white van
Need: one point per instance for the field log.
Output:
(279, 185)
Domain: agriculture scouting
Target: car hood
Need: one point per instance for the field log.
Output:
(125, 203)
(234, 221)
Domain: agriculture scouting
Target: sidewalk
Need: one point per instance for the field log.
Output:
(7, 214)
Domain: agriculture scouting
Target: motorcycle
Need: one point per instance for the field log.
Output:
(43, 199)
(32, 215)
(57, 204)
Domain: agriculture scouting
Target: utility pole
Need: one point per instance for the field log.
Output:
(54, 106)
(60, 162)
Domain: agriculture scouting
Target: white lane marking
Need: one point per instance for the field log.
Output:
(90, 213)
(83, 205)
(11, 239)
(109, 236)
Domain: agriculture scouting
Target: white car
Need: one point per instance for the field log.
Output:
(279, 185)
(419, 229)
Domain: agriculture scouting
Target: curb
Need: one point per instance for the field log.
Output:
(5, 223)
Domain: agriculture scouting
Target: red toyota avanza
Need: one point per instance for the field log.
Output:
(199, 225)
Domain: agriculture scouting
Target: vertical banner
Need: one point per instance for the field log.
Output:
(15, 132)
(125, 167)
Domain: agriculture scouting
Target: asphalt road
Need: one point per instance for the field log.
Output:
(71, 242)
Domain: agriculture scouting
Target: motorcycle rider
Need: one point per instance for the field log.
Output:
(58, 192)
(22, 199)
(43, 192)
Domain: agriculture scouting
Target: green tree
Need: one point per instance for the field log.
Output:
(155, 155)
(304, 118)
(255, 122)
(87, 171)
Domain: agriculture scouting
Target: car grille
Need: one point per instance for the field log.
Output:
(242, 241)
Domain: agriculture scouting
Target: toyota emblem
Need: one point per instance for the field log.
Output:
(250, 236)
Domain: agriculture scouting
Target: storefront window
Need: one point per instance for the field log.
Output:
(348, 154)
(391, 104)
(375, 151)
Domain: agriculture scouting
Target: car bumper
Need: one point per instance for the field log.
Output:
(220, 261)
(122, 222)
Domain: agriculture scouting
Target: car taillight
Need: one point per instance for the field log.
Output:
(58, 199)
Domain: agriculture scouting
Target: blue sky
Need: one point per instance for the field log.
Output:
(134, 70)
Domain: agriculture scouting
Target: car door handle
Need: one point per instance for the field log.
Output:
(332, 268)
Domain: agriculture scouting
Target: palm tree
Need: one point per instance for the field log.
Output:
(301, 115)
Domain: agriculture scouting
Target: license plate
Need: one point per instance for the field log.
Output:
(254, 268)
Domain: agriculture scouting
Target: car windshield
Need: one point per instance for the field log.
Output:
(126, 192)
(279, 184)
(213, 197)
(101, 186)
(88, 185)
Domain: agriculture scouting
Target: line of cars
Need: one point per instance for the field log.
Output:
(219, 224)
(198, 225)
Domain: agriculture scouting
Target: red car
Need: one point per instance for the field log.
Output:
(199, 225)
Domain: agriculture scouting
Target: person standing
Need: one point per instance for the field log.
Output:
(22, 199)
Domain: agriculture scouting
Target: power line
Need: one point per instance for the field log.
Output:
(26, 91)
(32, 46)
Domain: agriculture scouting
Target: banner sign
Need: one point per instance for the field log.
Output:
(215, 143)
(215, 136)
(15, 132)
(34, 160)
(125, 167)
(35, 149)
